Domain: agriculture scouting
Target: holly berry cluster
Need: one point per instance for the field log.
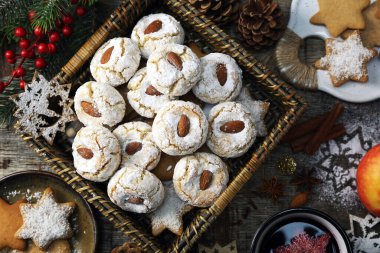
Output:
(38, 44)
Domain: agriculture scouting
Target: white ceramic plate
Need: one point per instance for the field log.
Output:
(301, 12)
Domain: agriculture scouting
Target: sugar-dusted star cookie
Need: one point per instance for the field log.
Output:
(59, 246)
(169, 214)
(46, 221)
(346, 60)
(371, 34)
(340, 15)
(11, 221)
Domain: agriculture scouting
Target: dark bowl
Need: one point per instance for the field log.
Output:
(307, 215)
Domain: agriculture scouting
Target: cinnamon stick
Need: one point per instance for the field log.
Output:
(313, 145)
(299, 145)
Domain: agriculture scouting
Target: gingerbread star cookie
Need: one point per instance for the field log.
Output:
(346, 60)
(59, 246)
(46, 221)
(371, 34)
(340, 15)
(11, 221)
(169, 214)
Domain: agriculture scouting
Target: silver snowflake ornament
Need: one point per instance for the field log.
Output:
(44, 108)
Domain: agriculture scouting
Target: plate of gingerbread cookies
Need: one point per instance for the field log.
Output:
(350, 29)
(41, 213)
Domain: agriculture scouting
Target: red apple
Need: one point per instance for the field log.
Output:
(368, 180)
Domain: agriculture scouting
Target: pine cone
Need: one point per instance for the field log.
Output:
(261, 23)
(220, 11)
(127, 248)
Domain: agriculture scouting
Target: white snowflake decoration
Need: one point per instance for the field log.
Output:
(367, 240)
(33, 108)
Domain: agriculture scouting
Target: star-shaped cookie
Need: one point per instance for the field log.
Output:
(46, 221)
(371, 34)
(11, 221)
(346, 60)
(169, 214)
(340, 15)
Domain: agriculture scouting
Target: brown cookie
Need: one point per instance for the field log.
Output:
(59, 246)
(11, 221)
(340, 15)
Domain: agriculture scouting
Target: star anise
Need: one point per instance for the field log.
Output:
(272, 188)
(304, 180)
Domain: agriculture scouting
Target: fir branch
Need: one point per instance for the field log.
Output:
(47, 12)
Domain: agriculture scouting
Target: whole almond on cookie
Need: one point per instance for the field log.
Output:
(153, 27)
(221, 73)
(106, 56)
(133, 147)
(135, 200)
(90, 109)
(86, 153)
(205, 180)
(151, 91)
(175, 60)
(183, 126)
(231, 127)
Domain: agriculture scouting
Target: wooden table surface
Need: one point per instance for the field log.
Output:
(239, 221)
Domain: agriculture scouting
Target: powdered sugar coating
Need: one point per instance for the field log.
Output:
(187, 174)
(170, 32)
(106, 99)
(167, 78)
(165, 124)
(46, 221)
(144, 104)
(230, 145)
(209, 88)
(258, 110)
(122, 65)
(149, 155)
(133, 182)
(106, 153)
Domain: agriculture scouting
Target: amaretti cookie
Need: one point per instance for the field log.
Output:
(145, 99)
(99, 104)
(200, 178)
(232, 130)
(156, 30)
(137, 145)
(221, 79)
(116, 61)
(136, 190)
(96, 153)
(180, 128)
(173, 69)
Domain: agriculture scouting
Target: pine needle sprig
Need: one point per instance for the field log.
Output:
(48, 12)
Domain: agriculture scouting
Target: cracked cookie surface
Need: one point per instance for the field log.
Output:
(240, 136)
(165, 128)
(221, 79)
(137, 145)
(170, 79)
(116, 61)
(96, 153)
(170, 31)
(188, 176)
(108, 106)
(136, 190)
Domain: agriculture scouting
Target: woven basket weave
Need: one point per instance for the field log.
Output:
(286, 107)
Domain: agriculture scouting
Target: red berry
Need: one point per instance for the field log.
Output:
(15, 74)
(80, 11)
(31, 54)
(40, 63)
(67, 19)
(24, 53)
(67, 31)
(74, 2)
(22, 84)
(24, 43)
(9, 54)
(54, 37)
(2, 87)
(13, 60)
(38, 31)
(42, 48)
(20, 71)
(31, 15)
(52, 48)
(20, 32)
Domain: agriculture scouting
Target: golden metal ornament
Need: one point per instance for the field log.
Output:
(287, 165)
(292, 68)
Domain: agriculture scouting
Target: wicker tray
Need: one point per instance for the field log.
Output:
(286, 107)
